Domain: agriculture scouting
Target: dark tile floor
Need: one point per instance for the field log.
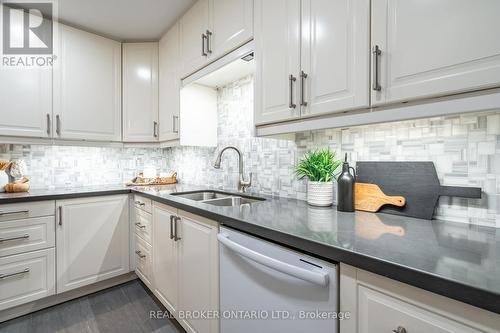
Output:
(122, 309)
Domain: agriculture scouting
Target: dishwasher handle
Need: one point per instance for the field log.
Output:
(319, 278)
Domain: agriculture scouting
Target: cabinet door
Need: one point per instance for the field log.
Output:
(231, 25)
(165, 257)
(92, 238)
(435, 48)
(32, 277)
(26, 101)
(277, 33)
(379, 312)
(198, 270)
(87, 87)
(335, 55)
(140, 92)
(169, 82)
(193, 46)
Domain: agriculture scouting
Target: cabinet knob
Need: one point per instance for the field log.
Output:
(400, 329)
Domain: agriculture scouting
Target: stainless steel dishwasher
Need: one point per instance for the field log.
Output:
(265, 287)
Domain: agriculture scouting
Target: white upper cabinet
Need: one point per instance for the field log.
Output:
(231, 25)
(431, 48)
(193, 34)
(140, 92)
(169, 85)
(26, 101)
(312, 58)
(335, 56)
(212, 28)
(87, 87)
(277, 56)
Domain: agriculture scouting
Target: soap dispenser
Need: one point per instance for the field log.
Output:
(345, 188)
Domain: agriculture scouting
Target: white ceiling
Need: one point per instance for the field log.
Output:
(123, 20)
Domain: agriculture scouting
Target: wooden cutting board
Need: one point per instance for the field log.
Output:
(416, 181)
(369, 198)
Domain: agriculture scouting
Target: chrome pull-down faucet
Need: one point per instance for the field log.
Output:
(242, 183)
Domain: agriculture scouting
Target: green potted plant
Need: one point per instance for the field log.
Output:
(319, 168)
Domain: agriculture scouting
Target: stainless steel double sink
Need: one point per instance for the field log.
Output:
(218, 198)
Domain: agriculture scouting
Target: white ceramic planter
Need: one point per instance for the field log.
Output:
(320, 193)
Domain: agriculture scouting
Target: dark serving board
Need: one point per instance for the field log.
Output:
(416, 181)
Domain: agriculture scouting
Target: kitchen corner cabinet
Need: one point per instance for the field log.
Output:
(140, 92)
(312, 58)
(169, 85)
(87, 87)
(186, 250)
(212, 28)
(92, 237)
(26, 102)
(379, 304)
(429, 49)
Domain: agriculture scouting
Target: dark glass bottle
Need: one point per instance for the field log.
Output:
(345, 188)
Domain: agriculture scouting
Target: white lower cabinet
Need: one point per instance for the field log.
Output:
(92, 237)
(144, 261)
(165, 259)
(27, 277)
(379, 312)
(186, 265)
(198, 271)
(379, 304)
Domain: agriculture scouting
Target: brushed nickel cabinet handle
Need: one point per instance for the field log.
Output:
(25, 236)
(24, 271)
(291, 79)
(303, 77)
(176, 237)
(25, 211)
(175, 128)
(172, 226)
(60, 215)
(155, 129)
(141, 226)
(139, 203)
(375, 54)
(58, 125)
(139, 253)
(48, 124)
(209, 36)
(203, 38)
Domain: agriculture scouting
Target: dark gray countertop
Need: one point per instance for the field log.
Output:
(456, 260)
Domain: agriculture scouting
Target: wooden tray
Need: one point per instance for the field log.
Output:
(140, 181)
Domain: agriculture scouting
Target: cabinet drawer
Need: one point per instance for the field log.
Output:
(379, 312)
(143, 225)
(142, 203)
(24, 210)
(26, 277)
(144, 262)
(26, 235)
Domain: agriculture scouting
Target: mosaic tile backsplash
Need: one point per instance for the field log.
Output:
(464, 148)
